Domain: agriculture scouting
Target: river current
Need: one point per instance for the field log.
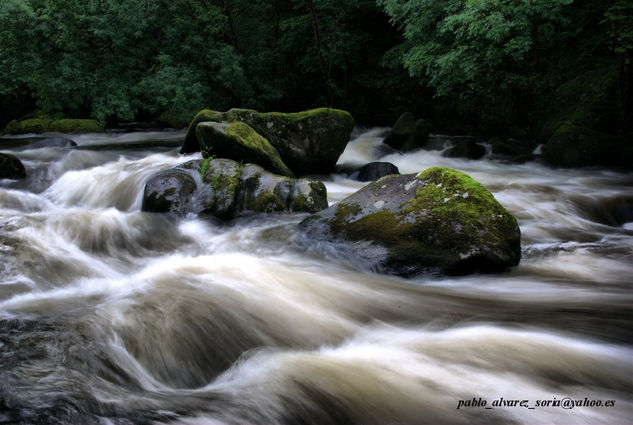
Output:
(109, 315)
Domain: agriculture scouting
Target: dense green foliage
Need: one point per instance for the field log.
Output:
(468, 65)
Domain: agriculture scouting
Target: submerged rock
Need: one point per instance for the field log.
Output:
(170, 192)
(238, 141)
(51, 142)
(309, 142)
(227, 189)
(11, 167)
(440, 220)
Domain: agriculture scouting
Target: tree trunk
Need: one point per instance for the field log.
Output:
(317, 42)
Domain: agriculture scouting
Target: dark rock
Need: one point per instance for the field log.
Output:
(576, 146)
(440, 220)
(170, 192)
(420, 136)
(309, 142)
(229, 189)
(11, 167)
(238, 141)
(466, 148)
(408, 134)
(51, 142)
(374, 170)
(265, 192)
(401, 131)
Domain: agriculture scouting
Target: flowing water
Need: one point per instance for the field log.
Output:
(113, 316)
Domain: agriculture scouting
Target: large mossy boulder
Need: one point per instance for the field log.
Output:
(227, 189)
(11, 167)
(576, 146)
(309, 142)
(238, 141)
(439, 220)
(169, 191)
(590, 99)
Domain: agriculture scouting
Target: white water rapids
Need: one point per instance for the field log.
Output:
(114, 316)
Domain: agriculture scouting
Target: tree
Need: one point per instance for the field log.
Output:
(488, 54)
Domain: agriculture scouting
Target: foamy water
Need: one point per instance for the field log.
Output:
(110, 315)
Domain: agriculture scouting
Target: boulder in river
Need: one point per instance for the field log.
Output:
(466, 148)
(11, 167)
(309, 142)
(169, 191)
(577, 146)
(238, 141)
(439, 220)
(374, 170)
(408, 134)
(228, 189)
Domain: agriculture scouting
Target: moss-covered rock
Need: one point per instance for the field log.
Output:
(440, 220)
(590, 100)
(223, 178)
(227, 189)
(401, 131)
(265, 192)
(77, 126)
(170, 192)
(31, 125)
(238, 141)
(309, 142)
(46, 124)
(407, 134)
(576, 146)
(11, 167)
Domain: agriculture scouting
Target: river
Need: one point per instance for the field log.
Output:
(110, 315)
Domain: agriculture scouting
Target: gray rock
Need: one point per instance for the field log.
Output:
(170, 192)
(440, 220)
(309, 142)
(466, 148)
(374, 170)
(227, 189)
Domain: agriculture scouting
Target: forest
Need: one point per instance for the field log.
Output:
(493, 67)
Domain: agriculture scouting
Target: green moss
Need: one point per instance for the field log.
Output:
(77, 126)
(46, 124)
(203, 167)
(299, 116)
(191, 141)
(450, 192)
(31, 125)
(267, 201)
